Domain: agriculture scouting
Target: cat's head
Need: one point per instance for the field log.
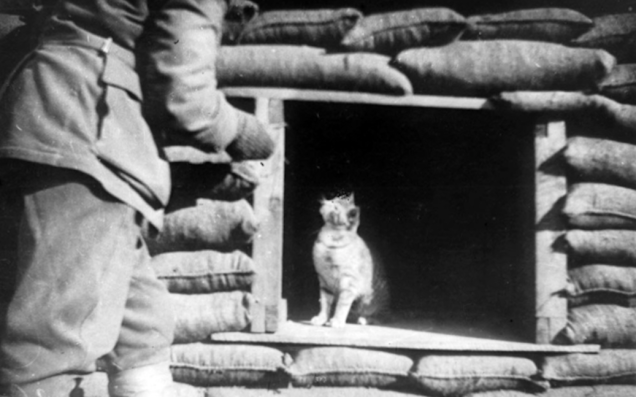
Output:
(340, 211)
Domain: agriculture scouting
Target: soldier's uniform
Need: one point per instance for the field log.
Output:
(81, 171)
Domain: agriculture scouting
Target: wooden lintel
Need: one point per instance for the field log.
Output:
(425, 101)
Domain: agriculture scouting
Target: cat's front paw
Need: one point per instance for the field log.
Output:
(333, 323)
(319, 320)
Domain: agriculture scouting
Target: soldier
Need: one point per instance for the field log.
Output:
(82, 171)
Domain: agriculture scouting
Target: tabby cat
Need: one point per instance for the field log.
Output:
(352, 286)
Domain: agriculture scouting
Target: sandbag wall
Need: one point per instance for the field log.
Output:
(430, 50)
(600, 239)
(201, 254)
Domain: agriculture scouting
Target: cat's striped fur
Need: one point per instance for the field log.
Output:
(352, 284)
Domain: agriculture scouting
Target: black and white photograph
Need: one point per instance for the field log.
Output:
(373, 198)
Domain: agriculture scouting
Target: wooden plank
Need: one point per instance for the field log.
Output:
(550, 259)
(429, 101)
(267, 249)
(390, 338)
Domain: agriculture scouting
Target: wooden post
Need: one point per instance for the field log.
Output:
(550, 260)
(267, 249)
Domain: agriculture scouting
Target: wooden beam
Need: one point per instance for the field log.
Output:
(267, 249)
(550, 259)
(427, 101)
(371, 336)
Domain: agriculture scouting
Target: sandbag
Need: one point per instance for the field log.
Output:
(601, 284)
(604, 114)
(481, 68)
(344, 366)
(595, 391)
(559, 25)
(204, 272)
(460, 375)
(199, 316)
(319, 28)
(600, 206)
(620, 84)
(389, 33)
(613, 247)
(303, 392)
(610, 366)
(575, 391)
(225, 182)
(610, 326)
(615, 33)
(602, 161)
(228, 365)
(304, 67)
(504, 393)
(209, 225)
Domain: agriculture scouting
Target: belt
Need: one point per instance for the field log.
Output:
(103, 45)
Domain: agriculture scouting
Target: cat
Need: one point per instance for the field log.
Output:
(352, 284)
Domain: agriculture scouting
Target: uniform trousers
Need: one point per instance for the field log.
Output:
(76, 282)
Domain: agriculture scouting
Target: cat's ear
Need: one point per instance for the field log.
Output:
(322, 199)
(353, 215)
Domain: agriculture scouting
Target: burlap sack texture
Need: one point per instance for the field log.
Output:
(209, 225)
(558, 25)
(390, 33)
(575, 391)
(347, 30)
(319, 28)
(609, 326)
(600, 206)
(484, 68)
(608, 284)
(205, 272)
(228, 365)
(198, 316)
(302, 392)
(348, 367)
(620, 84)
(615, 33)
(615, 247)
(308, 67)
(454, 375)
(610, 366)
(607, 116)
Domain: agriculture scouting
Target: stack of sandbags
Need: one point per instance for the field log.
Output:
(611, 373)
(333, 49)
(428, 50)
(616, 34)
(218, 365)
(600, 214)
(601, 242)
(460, 375)
(518, 50)
(295, 370)
(199, 253)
